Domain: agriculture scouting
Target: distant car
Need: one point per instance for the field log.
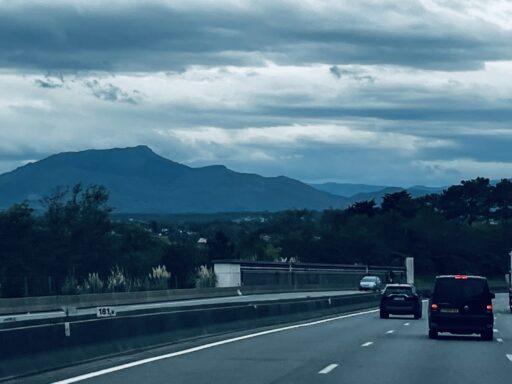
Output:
(400, 299)
(370, 283)
(461, 304)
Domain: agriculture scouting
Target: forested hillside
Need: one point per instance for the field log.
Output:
(465, 229)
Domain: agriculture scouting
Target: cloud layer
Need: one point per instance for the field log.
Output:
(384, 92)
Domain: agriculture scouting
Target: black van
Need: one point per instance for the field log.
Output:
(461, 304)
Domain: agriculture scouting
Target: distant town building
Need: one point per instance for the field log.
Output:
(265, 238)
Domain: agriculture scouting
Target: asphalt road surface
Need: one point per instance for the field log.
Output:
(358, 348)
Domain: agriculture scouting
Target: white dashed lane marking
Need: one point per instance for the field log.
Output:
(327, 369)
(390, 331)
(499, 340)
(509, 356)
(407, 324)
(367, 344)
(495, 330)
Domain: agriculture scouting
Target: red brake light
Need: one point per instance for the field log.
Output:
(434, 307)
(463, 277)
(489, 307)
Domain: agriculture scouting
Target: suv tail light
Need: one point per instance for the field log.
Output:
(459, 277)
(434, 307)
(489, 307)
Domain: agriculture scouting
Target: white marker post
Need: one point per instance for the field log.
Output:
(409, 268)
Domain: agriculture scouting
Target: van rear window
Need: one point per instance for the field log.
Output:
(398, 290)
(451, 289)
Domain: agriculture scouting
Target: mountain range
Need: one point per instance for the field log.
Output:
(361, 192)
(140, 181)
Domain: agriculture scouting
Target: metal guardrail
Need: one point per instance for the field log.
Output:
(63, 302)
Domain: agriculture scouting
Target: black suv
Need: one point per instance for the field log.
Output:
(400, 299)
(461, 304)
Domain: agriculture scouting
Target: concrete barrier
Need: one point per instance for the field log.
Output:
(55, 303)
(90, 339)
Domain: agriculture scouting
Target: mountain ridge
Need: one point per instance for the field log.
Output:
(141, 181)
(373, 192)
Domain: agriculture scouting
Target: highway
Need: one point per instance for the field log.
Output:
(355, 348)
(178, 304)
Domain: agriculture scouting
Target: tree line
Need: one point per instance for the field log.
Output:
(77, 245)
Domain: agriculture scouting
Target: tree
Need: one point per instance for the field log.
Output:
(78, 228)
(220, 247)
(367, 208)
(400, 202)
(451, 203)
(17, 252)
(501, 198)
(476, 195)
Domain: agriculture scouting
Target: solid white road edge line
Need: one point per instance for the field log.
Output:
(367, 344)
(205, 346)
(327, 369)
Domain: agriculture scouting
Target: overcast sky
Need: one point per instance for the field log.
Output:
(388, 92)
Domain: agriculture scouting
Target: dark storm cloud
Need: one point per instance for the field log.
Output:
(397, 113)
(47, 84)
(388, 123)
(109, 92)
(50, 81)
(341, 72)
(158, 37)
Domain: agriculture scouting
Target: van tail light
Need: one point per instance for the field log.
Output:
(434, 307)
(489, 307)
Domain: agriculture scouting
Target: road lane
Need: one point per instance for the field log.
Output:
(289, 356)
(298, 355)
(410, 357)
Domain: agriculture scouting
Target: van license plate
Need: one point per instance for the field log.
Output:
(449, 310)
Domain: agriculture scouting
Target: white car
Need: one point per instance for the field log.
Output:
(370, 283)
